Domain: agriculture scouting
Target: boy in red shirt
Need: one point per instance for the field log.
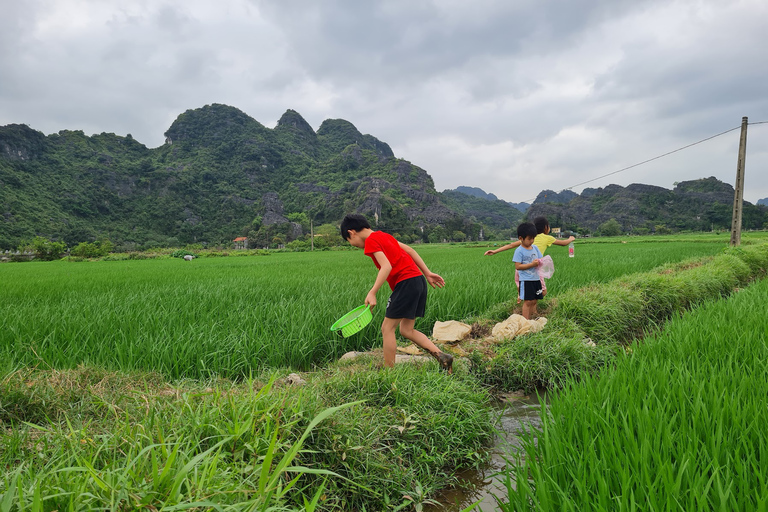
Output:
(407, 274)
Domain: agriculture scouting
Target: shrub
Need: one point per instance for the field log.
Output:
(92, 250)
(44, 249)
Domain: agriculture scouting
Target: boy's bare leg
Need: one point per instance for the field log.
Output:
(390, 341)
(529, 309)
(419, 338)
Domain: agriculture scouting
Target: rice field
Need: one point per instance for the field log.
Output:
(679, 424)
(231, 317)
(115, 388)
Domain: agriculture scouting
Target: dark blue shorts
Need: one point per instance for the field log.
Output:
(408, 299)
(530, 290)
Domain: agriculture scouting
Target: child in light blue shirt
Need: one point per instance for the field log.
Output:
(526, 259)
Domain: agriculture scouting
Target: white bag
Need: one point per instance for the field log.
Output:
(546, 267)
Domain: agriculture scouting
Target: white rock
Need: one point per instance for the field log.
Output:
(295, 379)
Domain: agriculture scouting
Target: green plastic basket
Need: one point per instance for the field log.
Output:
(353, 321)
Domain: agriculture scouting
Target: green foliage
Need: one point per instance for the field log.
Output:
(696, 205)
(158, 454)
(92, 249)
(207, 184)
(611, 314)
(495, 214)
(674, 426)
(610, 228)
(44, 249)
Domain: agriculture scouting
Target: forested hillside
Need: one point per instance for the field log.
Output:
(220, 174)
(698, 205)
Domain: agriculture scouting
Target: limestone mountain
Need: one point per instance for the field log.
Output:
(219, 175)
(697, 205)
(484, 208)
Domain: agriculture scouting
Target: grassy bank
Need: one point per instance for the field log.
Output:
(589, 326)
(87, 439)
(678, 424)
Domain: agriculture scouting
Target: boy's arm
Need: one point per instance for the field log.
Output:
(503, 248)
(526, 266)
(564, 242)
(432, 278)
(381, 277)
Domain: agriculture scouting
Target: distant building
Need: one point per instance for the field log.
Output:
(555, 232)
(241, 242)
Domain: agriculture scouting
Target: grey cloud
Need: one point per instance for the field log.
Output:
(570, 89)
(347, 38)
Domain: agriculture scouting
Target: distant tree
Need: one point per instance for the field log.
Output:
(661, 229)
(92, 249)
(458, 236)
(300, 218)
(610, 228)
(44, 249)
(437, 235)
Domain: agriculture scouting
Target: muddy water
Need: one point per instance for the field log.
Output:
(517, 412)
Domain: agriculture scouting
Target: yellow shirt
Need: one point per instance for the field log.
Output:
(543, 241)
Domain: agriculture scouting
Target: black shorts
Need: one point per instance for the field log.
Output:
(530, 290)
(408, 299)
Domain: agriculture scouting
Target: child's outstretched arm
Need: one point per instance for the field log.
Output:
(513, 245)
(564, 242)
(432, 278)
(381, 277)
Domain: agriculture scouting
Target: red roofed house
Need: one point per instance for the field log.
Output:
(241, 242)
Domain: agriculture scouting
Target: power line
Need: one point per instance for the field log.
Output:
(649, 160)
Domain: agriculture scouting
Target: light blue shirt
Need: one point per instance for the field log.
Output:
(525, 256)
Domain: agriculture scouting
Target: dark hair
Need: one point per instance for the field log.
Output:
(355, 222)
(541, 224)
(526, 230)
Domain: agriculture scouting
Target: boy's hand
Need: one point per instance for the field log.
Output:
(370, 299)
(435, 280)
(490, 252)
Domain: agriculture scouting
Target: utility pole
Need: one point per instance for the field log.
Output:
(738, 195)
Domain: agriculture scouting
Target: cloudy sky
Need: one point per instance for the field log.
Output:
(512, 96)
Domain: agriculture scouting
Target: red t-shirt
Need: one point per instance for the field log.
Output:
(403, 266)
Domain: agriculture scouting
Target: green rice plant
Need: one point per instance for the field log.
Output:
(614, 313)
(676, 425)
(234, 316)
(755, 257)
(606, 313)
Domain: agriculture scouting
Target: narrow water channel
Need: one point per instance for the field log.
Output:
(517, 413)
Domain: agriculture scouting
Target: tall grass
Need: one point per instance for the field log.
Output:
(234, 316)
(89, 439)
(676, 425)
